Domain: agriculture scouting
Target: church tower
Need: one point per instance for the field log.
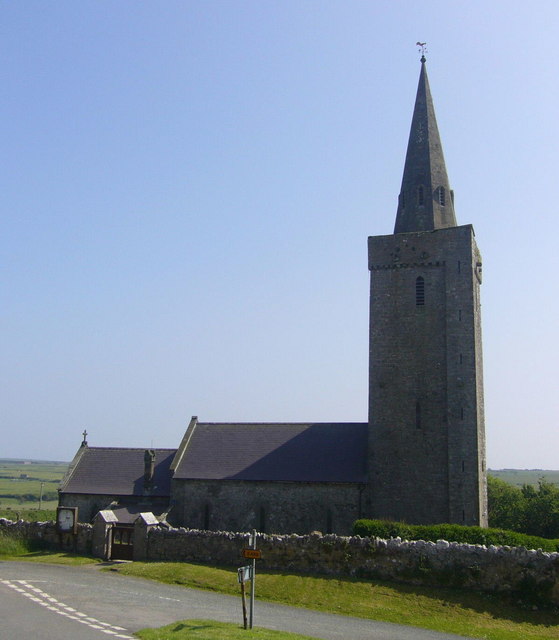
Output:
(426, 415)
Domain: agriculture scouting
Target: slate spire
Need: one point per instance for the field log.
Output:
(425, 201)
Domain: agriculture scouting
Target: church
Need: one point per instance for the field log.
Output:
(420, 458)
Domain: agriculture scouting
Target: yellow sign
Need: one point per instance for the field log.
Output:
(253, 554)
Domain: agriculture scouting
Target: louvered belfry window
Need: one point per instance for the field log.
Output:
(420, 292)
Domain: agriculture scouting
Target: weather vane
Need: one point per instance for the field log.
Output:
(423, 48)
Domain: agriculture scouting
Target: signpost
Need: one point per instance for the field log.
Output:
(248, 573)
(244, 574)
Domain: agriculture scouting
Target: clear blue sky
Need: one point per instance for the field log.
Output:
(188, 187)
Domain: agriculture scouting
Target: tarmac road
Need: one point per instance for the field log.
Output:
(50, 602)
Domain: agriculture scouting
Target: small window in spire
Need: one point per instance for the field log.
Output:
(420, 292)
(442, 196)
(420, 195)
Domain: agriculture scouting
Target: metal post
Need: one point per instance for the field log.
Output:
(41, 496)
(252, 580)
(244, 601)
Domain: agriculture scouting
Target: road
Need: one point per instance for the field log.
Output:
(50, 602)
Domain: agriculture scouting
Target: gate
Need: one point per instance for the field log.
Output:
(122, 542)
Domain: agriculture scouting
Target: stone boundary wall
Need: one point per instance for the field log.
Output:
(46, 534)
(529, 574)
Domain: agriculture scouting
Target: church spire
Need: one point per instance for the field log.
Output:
(426, 201)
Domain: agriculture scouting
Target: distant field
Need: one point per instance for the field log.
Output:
(518, 477)
(20, 483)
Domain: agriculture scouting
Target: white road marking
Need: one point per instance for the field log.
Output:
(52, 604)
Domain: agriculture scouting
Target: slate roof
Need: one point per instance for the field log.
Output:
(281, 452)
(118, 471)
(128, 513)
(424, 169)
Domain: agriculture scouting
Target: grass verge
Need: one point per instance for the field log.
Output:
(17, 548)
(52, 557)
(211, 630)
(452, 611)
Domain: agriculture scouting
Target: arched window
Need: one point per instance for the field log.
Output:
(442, 196)
(419, 292)
(262, 520)
(420, 195)
(207, 513)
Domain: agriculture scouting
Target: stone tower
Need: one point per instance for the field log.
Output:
(426, 417)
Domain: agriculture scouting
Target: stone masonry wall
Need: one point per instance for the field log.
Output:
(427, 445)
(493, 569)
(46, 534)
(527, 573)
(282, 507)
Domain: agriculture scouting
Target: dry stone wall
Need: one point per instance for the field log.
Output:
(495, 569)
(46, 535)
(530, 574)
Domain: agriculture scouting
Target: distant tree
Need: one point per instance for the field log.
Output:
(507, 505)
(541, 511)
(531, 510)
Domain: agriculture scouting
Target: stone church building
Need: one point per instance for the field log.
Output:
(421, 456)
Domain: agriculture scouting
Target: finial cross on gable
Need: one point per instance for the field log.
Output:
(84, 434)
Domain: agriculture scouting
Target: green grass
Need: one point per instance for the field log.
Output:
(452, 611)
(18, 548)
(12, 546)
(211, 630)
(53, 557)
(31, 515)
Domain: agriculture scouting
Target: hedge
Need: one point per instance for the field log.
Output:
(451, 533)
